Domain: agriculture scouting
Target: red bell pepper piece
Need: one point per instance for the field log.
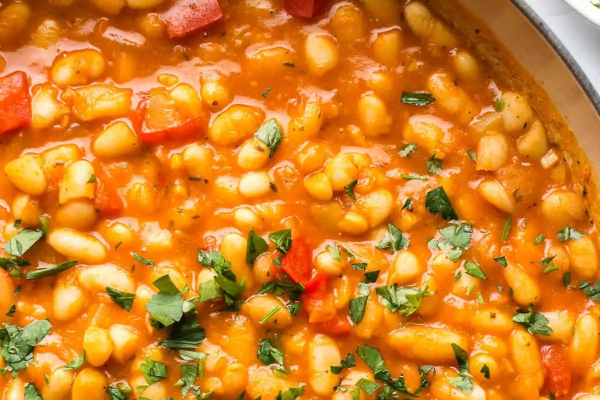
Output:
(336, 326)
(188, 16)
(297, 263)
(317, 283)
(15, 102)
(107, 200)
(315, 292)
(557, 372)
(157, 119)
(302, 8)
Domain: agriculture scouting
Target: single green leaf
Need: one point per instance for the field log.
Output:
(255, 247)
(434, 165)
(186, 334)
(474, 270)
(534, 322)
(349, 189)
(76, 363)
(400, 385)
(539, 239)
(165, 285)
(359, 266)
(293, 308)
(189, 373)
(166, 308)
(115, 393)
(499, 105)
(23, 241)
(269, 354)
(92, 179)
(547, 260)
(408, 204)
(266, 93)
(502, 261)
(566, 279)
(367, 386)
(568, 233)
(550, 268)
(270, 134)
(31, 393)
(372, 357)
(349, 362)
(472, 155)
(437, 201)
(404, 300)
(334, 251)
(407, 150)
(290, 394)
(357, 308)
(11, 311)
(282, 240)
(212, 259)
(396, 242)
(122, 299)
(485, 370)
(372, 276)
(208, 291)
(458, 236)
(591, 291)
(153, 371)
(417, 99)
(463, 383)
(462, 358)
(142, 260)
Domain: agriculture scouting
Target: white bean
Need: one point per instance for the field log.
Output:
(97, 277)
(79, 246)
(322, 353)
(79, 182)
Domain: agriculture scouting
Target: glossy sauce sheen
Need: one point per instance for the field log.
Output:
(139, 151)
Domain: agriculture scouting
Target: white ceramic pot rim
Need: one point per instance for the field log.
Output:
(561, 50)
(587, 10)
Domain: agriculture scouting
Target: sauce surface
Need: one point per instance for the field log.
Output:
(251, 199)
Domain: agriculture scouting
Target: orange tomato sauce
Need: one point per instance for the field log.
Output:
(252, 192)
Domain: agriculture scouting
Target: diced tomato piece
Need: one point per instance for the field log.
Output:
(188, 16)
(297, 263)
(158, 118)
(302, 8)
(107, 200)
(336, 326)
(15, 102)
(557, 372)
